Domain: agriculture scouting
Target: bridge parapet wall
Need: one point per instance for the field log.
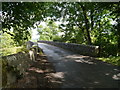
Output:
(16, 65)
(89, 50)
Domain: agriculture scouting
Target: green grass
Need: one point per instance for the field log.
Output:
(115, 60)
(13, 50)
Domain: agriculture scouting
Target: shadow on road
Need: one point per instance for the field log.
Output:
(78, 71)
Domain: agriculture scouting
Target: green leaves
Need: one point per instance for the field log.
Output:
(81, 22)
(49, 31)
(21, 16)
(115, 60)
(92, 22)
(6, 41)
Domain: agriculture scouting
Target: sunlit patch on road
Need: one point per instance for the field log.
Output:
(83, 61)
(36, 70)
(78, 71)
(116, 77)
(58, 75)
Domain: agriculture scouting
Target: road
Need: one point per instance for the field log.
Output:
(78, 71)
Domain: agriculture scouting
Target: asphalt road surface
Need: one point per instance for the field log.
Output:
(78, 71)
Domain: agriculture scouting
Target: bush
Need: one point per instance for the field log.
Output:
(13, 50)
(115, 60)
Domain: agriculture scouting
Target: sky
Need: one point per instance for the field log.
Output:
(35, 35)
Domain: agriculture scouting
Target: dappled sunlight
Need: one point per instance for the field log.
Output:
(65, 32)
(107, 74)
(75, 56)
(80, 59)
(58, 75)
(74, 70)
(116, 77)
(36, 70)
(116, 69)
(96, 82)
(84, 61)
(56, 78)
(54, 81)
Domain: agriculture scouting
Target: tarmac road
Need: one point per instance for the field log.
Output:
(78, 71)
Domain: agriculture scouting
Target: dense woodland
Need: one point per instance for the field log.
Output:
(91, 23)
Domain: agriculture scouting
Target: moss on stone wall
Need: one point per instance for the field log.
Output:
(14, 66)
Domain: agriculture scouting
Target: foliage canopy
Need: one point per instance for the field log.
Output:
(82, 22)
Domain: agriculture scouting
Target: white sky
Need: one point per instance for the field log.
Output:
(35, 35)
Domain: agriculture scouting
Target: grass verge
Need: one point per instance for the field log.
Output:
(115, 60)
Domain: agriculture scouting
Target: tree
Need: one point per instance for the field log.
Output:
(76, 14)
(20, 16)
(48, 32)
(6, 41)
(92, 22)
(82, 22)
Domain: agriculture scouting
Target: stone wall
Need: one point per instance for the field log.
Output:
(29, 44)
(89, 50)
(14, 66)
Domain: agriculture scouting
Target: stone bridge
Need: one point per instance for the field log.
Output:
(15, 65)
(71, 68)
(88, 50)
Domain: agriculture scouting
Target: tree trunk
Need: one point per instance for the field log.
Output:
(100, 36)
(92, 22)
(86, 25)
(118, 37)
(118, 29)
(80, 26)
